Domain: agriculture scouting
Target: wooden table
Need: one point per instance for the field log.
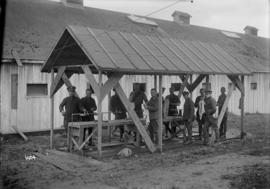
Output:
(77, 129)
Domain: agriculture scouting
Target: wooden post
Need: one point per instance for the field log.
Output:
(160, 119)
(52, 111)
(242, 106)
(109, 114)
(155, 82)
(207, 80)
(99, 109)
(190, 81)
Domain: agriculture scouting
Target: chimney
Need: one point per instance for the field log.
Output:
(249, 30)
(73, 3)
(181, 17)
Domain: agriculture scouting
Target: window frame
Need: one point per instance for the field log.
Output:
(45, 95)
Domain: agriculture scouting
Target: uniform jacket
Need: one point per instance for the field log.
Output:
(210, 106)
(117, 107)
(220, 102)
(153, 108)
(188, 110)
(89, 103)
(72, 105)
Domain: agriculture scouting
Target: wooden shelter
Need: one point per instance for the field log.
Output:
(114, 54)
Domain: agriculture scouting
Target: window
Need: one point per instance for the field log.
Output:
(33, 89)
(14, 91)
(229, 86)
(176, 86)
(253, 86)
(141, 85)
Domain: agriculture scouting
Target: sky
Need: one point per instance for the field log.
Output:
(230, 15)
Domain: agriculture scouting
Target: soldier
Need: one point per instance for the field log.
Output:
(138, 97)
(71, 105)
(188, 117)
(210, 120)
(152, 107)
(90, 105)
(220, 102)
(199, 104)
(173, 102)
(119, 111)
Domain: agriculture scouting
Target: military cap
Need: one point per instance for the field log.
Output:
(71, 88)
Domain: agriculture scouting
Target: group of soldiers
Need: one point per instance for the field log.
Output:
(72, 108)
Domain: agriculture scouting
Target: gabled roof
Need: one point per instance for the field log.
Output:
(129, 53)
(34, 26)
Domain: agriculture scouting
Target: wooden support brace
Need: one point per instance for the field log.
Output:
(113, 79)
(225, 105)
(195, 84)
(184, 84)
(57, 79)
(67, 82)
(16, 57)
(89, 75)
(134, 117)
(87, 139)
(183, 77)
(237, 83)
(20, 133)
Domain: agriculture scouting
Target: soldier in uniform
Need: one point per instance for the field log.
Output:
(173, 101)
(210, 120)
(188, 117)
(152, 107)
(90, 105)
(119, 111)
(220, 102)
(71, 105)
(199, 104)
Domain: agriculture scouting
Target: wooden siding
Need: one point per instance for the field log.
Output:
(33, 113)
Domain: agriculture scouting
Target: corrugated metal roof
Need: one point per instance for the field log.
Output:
(132, 53)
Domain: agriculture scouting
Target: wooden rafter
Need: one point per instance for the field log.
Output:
(67, 82)
(134, 117)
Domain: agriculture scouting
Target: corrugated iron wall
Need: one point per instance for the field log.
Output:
(33, 113)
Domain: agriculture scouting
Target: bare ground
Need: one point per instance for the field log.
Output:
(226, 165)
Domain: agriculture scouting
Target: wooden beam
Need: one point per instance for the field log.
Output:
(182, 77)
(109, 115)
(225, 105)
(134, 117)
(55, 81)
(237, 83)
(155, 82)
(16, 57)
(52, 112)
(113, 79)
(90, 76)
(99, 111)
(20, 133)
(242, 106)
(184, 84)
(195, 84)
(160, 119)
(67, 82)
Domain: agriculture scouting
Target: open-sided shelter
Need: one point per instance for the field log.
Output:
(114, 54)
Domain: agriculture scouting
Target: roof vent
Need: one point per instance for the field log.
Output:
(181, 17)
(73, 3)
(250, 30)
(141, 20)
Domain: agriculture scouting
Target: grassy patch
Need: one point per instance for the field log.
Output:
(252, 177)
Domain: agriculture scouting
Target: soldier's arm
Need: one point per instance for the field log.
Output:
(63, 103)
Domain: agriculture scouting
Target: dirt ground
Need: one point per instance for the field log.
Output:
(230, 164)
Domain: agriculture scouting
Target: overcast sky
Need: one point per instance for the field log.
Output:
(232, 15)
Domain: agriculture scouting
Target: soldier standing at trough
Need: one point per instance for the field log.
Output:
(210, 120)
(71, 105)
